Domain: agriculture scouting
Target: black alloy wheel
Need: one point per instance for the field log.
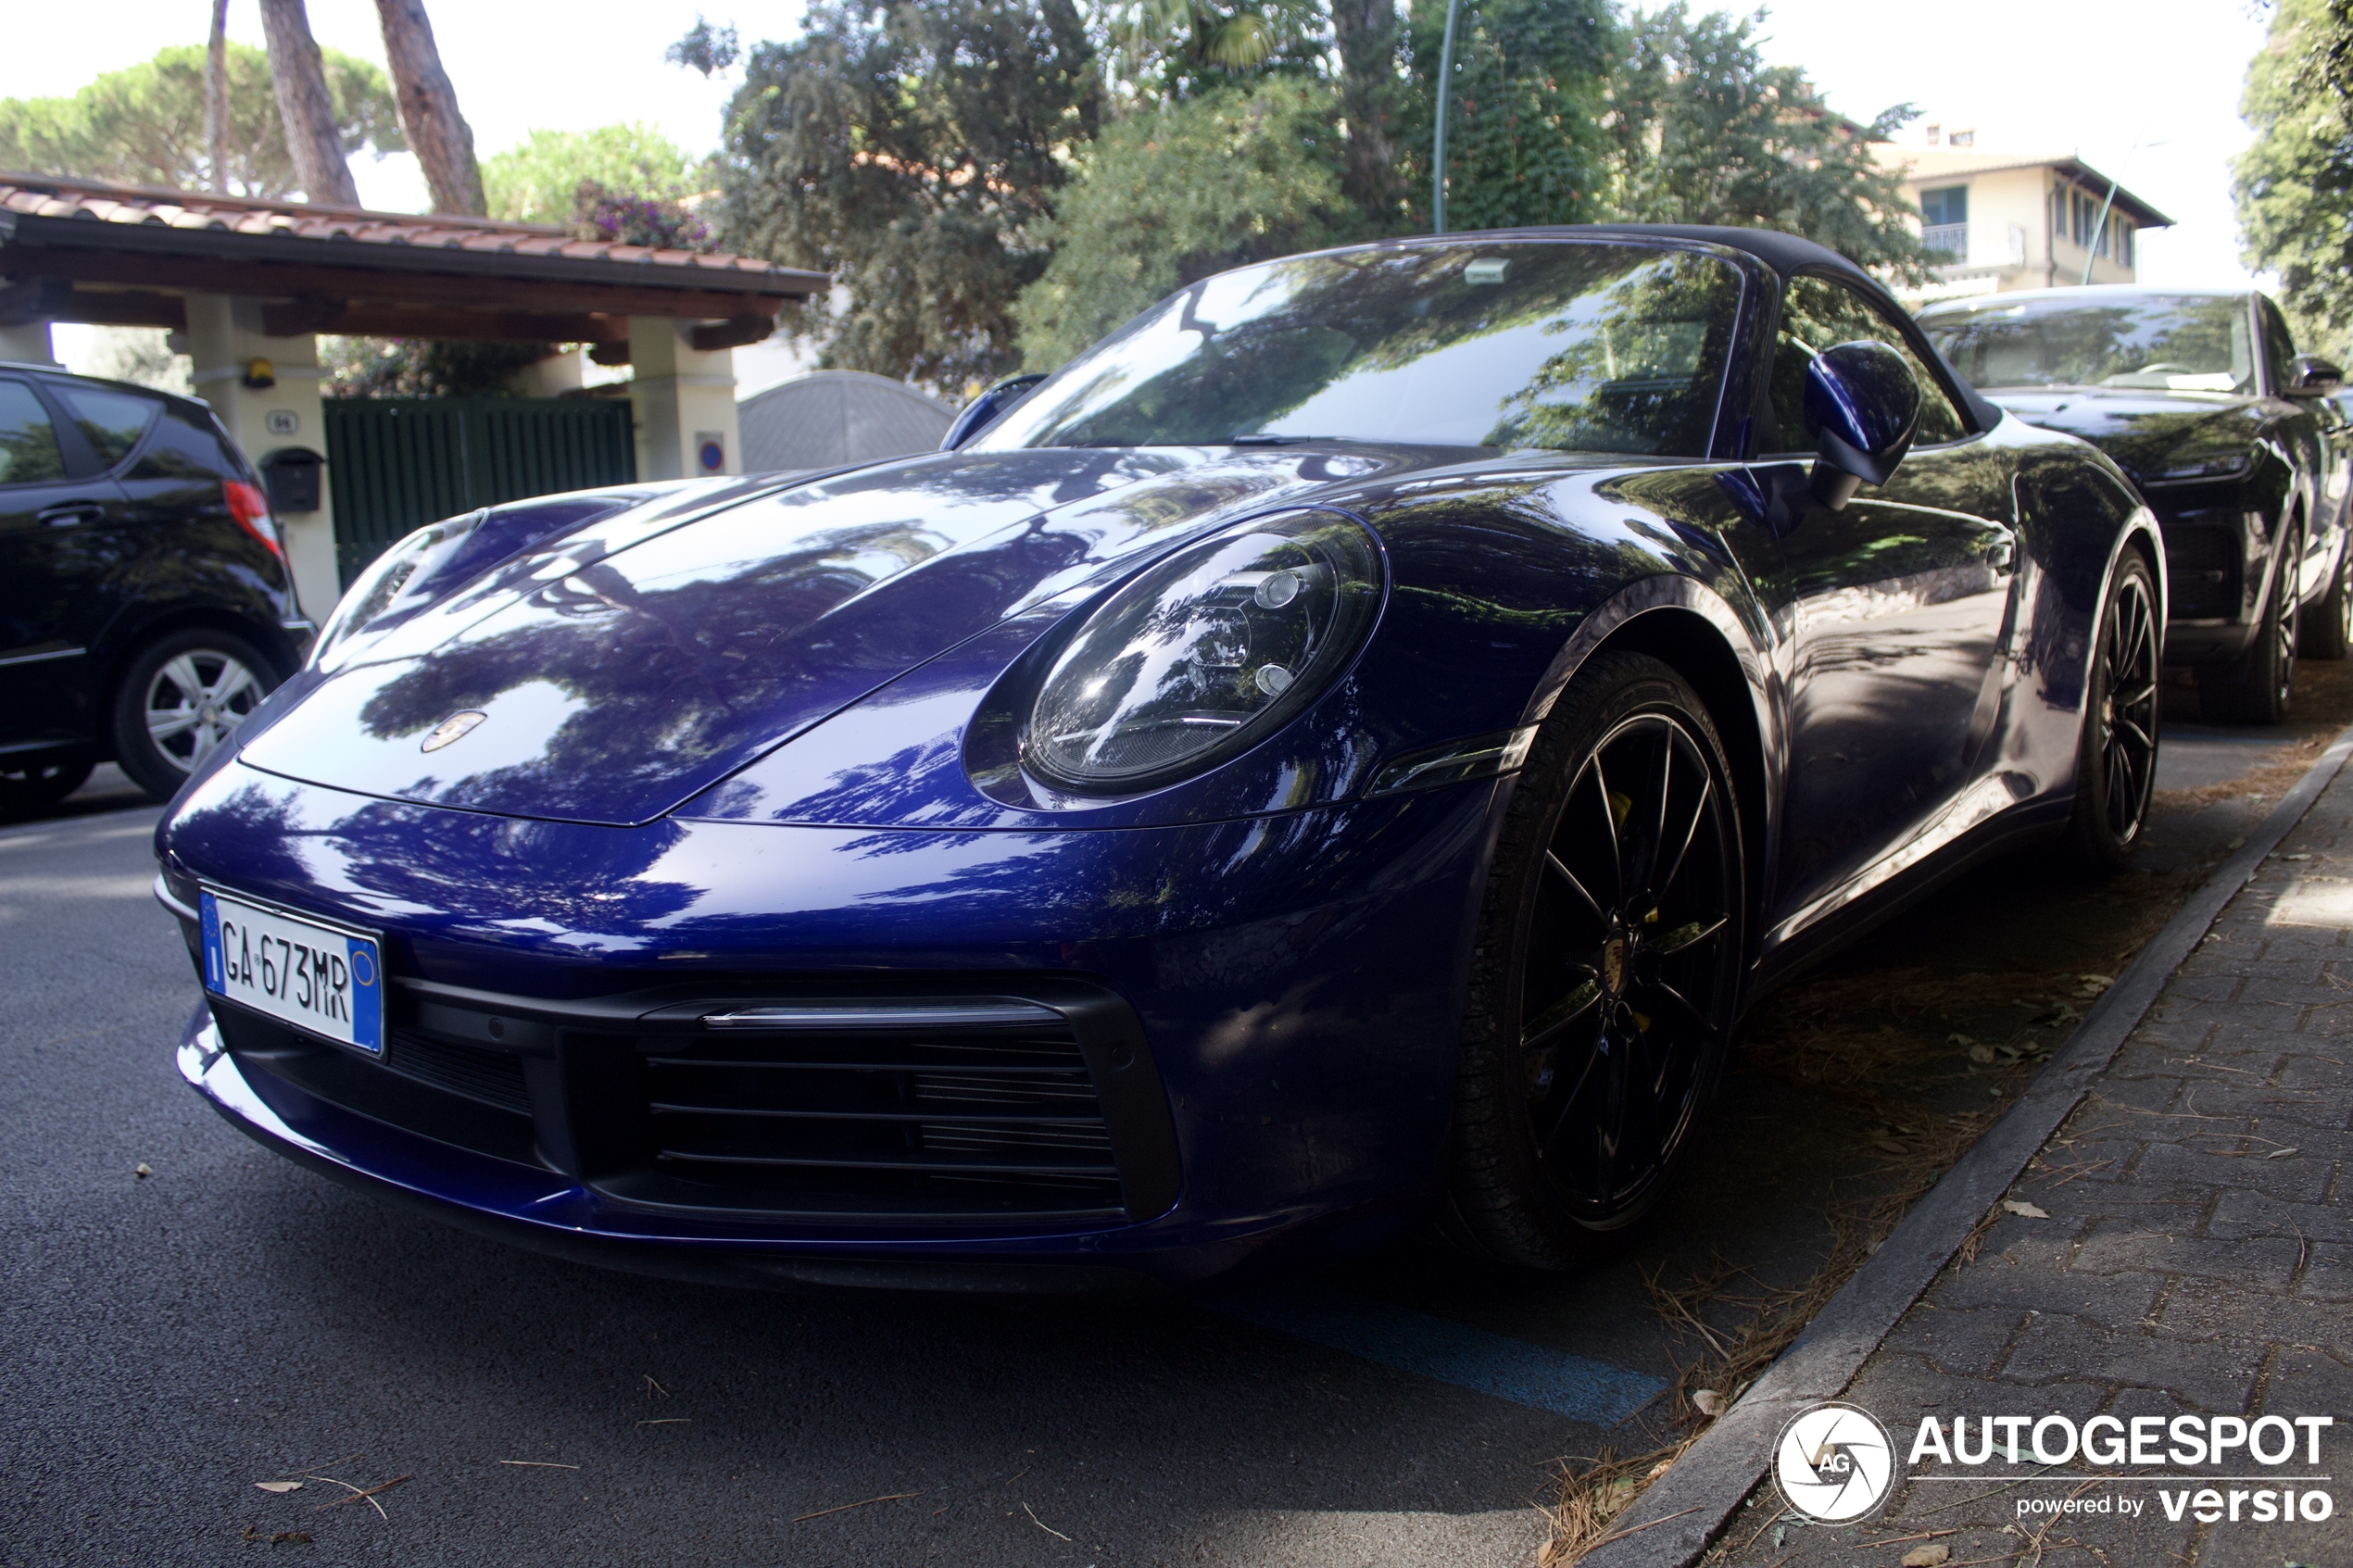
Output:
(1609, 975)
(2261, 687)
(180, 701)
(2116, 764)
(2327, 632)
(26, 787)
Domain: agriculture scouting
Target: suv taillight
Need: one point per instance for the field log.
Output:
(251, 509)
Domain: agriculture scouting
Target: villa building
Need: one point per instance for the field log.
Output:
(2010, 221)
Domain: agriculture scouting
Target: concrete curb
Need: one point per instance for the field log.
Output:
(1685, 1508)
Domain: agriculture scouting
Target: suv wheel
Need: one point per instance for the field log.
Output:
(180, 700)
(2259, 688)
(26, 787)
(2327, 632)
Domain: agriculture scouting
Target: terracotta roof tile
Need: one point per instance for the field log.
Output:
(61, 196)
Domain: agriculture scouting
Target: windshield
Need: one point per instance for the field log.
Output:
(2159, 343)
(1586, 347)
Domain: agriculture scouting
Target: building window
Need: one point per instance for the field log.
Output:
(1944, 220)
(2123, 243)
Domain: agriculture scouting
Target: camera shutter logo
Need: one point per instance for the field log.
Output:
(1834, 1463)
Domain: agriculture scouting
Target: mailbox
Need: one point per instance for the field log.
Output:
(292, 474)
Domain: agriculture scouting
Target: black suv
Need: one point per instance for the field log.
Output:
(146, 603)
(2200, 395)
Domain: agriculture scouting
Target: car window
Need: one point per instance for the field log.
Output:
(28, 452)
(1818, 313)
(111, 421)
(1589, 348)
(185, 448)
(2110, 337)
(2279, 345)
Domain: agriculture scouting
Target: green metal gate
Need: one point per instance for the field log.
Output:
(396, 463)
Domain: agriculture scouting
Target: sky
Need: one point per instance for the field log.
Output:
(2145, 91)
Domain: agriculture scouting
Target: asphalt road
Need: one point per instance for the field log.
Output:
(168, 1341)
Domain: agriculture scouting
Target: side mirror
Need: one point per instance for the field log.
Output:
(982, 411)
(1862, 398)
(2308, 375)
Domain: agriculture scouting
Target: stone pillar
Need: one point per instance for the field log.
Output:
(224, 339)
(683, 401)
(28, 345)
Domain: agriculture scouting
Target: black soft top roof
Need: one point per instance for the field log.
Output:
(1785, 254)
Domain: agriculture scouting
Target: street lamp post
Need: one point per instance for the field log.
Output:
(1445, 93)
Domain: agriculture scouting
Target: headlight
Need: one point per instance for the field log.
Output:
(2206, 465)
(1204, 654)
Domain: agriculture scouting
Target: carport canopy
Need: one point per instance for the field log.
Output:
(250, 281)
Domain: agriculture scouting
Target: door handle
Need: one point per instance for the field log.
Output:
(68, 515)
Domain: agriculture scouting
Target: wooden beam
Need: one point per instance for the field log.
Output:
(733, 333)
(371, 318)
(610, 352)
(349, 277)
(104, 308)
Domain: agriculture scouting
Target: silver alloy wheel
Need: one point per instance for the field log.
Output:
(194, 702)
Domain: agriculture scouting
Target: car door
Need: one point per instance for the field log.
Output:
(54, 512)
(1895, 609)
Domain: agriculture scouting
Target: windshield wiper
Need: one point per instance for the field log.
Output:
(1238, 439)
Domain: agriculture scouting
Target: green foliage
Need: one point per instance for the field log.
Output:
(1166, 49)
(2295, 183)
(376, 367)
(1705, 132)
(538, 182)
(1170, 195)
(705, 48)
(1524, 141)
(146, 125)
(913, 151)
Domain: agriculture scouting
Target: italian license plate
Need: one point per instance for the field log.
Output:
(314, 976)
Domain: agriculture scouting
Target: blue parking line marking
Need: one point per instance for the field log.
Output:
(1510, 1369)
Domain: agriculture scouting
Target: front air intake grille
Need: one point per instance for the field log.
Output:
(954, 1107)
(2202, 572)
(492, 1077)
(393, 1091)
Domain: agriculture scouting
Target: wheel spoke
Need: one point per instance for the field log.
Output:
(1666, 1004)
(2133, 734)
(237, 681)
(1546, 1025)
(1554, 864)
(165, 722)
(1570, 1098)
(1688, 935)
(1609, 824)
(182, 673)
(1699, 809)
(1652, 887)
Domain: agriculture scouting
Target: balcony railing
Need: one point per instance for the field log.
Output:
(1947, 239)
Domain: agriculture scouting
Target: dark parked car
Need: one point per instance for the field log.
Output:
(2202, 399)
(1340, 752)
(145, 604)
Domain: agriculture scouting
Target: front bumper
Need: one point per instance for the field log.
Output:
(1266, 1045)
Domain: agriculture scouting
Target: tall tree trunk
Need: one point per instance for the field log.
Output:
(429, 116)
(216, 97)
(299, 77)
(1367, 33)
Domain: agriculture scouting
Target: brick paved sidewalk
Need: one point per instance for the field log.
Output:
(2198, 1257)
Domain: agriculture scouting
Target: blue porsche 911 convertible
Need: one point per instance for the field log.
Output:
(1339, 754)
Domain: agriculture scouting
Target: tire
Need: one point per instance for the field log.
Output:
(2259, 688)
(182, 697)
(2116, 757)
(27, 787)
(1573, 1104)
(2327, 631)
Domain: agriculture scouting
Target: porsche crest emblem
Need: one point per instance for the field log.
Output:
(454, 727)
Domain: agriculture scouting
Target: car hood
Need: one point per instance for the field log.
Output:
(619, 668)
(2147, 432)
